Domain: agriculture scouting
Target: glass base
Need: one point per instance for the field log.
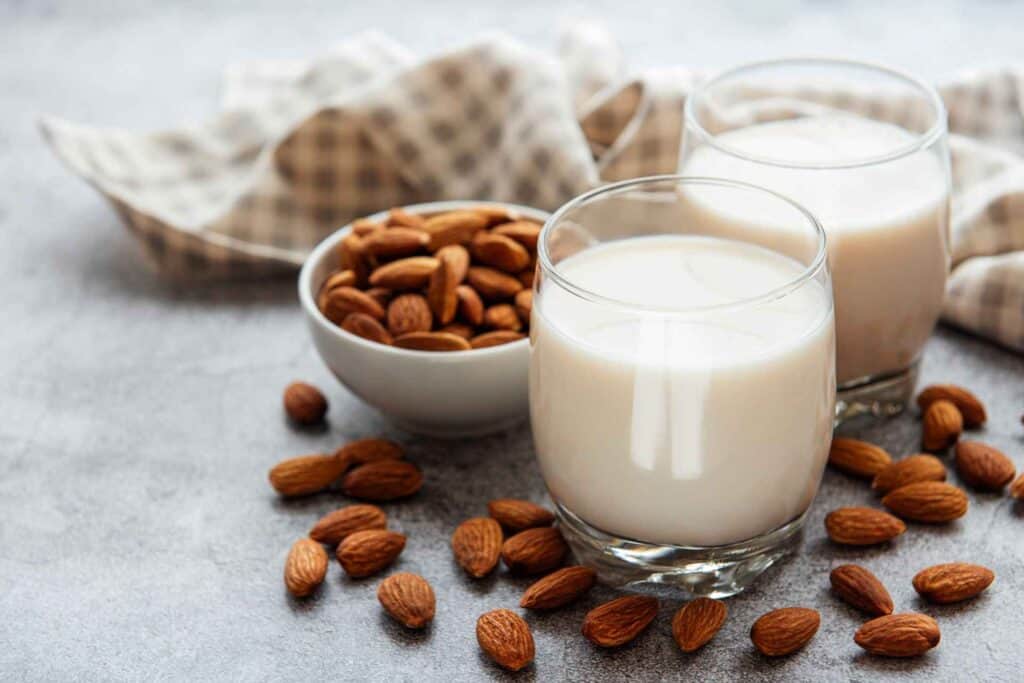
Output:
(880, 396)
(716, 572)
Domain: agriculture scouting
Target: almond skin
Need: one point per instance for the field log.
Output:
(402, 218)
(365, 553)
(305, 567)
(366, 327)
(352, 256)
(304, 403)
(524, 305)
(335, 526)
(857, 458)
(534, 551)
(502, 317)
(859, 588)
(943, 584)
(505, 637)
(784, 631)
(457, 257)
(927, 501)
(395, 243)
(559, 588)
(305, 474)
(899, 635)
(493, 284)
(452, 227)
(913, 468)
(441, 289)
(459, 330)
(862, 526)
(409, 313)
(339, 278)
(499, 251)
(382, 481)
(362, 451)
(524, 232)
(619, 621)
(697, 622)
(432, 341)
(470, 307)
(408, 598)
(364, 226)
(971, 408)
(1017, 488)
(476, 544)
(495, 338)
(341, 301)
(983, 467)
(407, 273)
(941, 425)
(517, 515)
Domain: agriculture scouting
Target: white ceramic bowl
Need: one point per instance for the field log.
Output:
(446, 394)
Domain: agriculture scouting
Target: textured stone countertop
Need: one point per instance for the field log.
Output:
(139, 539)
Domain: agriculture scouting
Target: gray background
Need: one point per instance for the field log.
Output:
(138, 536)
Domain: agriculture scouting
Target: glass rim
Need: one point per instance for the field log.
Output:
(550, 269)
(920, 141)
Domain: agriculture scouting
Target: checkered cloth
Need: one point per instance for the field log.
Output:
(301, 148)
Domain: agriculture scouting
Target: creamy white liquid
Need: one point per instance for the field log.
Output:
(690, 428)
(887, 226)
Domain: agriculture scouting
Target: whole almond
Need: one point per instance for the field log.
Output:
(457, 257)
(516, 514)
(401, 218)
(304, 403)
(524, 232)
(697, 622)
(983, 467)
(305, 474)
(927, 501)
(857, 458)
(364, 226)
(365, 553)
(441, 288)
(559, 588)
(534, 551)
(913, 468)
(383, 480)
(470, 307)
(862, 526)
(952, 582)
(407, 273)
(476, 544)
(352, 256)
(492, 284)
(408, 598)
(459, 330)
(335, 526)
(339, 278)
(505, 637)
(495, 214)
(502, 317)
(527, 277)
(341, 301)
(619, 621)
(859, 588)
(495, 338)
(432, 341)
(898, 635)
(395, 243)
(972, 409)
(366, 327)
(524, 305)
(784, 631)
(305, 567)
(1017, 488)
(452, 227)
(362, 451)
(500, 252)
(941, 425)
(382, 295)
(409, 313)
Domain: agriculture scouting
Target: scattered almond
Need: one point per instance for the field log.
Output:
(477, 546)
(516, 515)
(366, 327)
(408, 598)
(941, 425)
(559, 588)
(304, 403)
(407, 273)
(505, 637)
(365, 553)
(927, 501)
(862, 526)
(383, 480)
(432, 341)
(913, 468)
(305, 567)
(305, 474)
(898, 635)
(972, 409)
(857, 458)
(619, 621)
(534, 551)
(784, 631)
(983, 467)
(496, 338)
(697, 622)
(335, 526)
(409, 313)
(947, 583)
(362, 451)
(859, 588)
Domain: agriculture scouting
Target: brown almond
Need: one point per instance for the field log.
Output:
(524, 305)
(492, 284)
(697, 622)
(305, 474)
(559, 588)
(516, 514)
(305, 567)
(362, 451)
(339, 278)
(495, 338)
(859, 588)
(452, 227)
(304, 403)
(335, 526)
(459, 330)
(983, 467)
(505, 637)
(943, 584)
(476, 544)
(407, 273)
(432, 341)
(409, 313)
(366, 327)
(382, 295)
(395, 243)
(341, 301)
(971, 408)
(927, 501)
(898, 635)
(500, 252)
(408, 598)
(862, 526)
(470, 307)
(1017, 488)
(619, 621)
(941, 425)
(527, 276)
(495, 215)
(524, 232)
(364, 226)
(784, 631)
(534, 551)
(857, 458)
(399, 217)
(456, 256)
(352, 256)
(441, 288)
(502, 317)
(365, 553)
(383, 480)
(913, 468)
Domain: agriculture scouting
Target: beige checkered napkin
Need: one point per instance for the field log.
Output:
(300, 149)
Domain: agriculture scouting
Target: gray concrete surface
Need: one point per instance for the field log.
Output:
(139, 539)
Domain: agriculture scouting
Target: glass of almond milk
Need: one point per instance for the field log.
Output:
(864, 148)
(682, 379)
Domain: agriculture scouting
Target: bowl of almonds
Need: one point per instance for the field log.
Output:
(424, 312)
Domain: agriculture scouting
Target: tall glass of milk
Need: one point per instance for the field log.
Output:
(682, 379)
(864, 148)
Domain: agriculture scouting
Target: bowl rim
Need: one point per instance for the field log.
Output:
(324, 247)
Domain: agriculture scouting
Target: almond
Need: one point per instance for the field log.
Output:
(784, 631)
(408, 598)
(339, 278)
(898, 635)
(383, 480)
(495, 214)
(524, 232)
(459, 330)
(341, 301)
(559, 588)
(913, 468)
(477, 546)
(534, 551)
(381, 295)
(441, 288)
(432, 341)
(457, 257)
(362, 451)
(335, 526)
(407, 273)
(1017, 488)
(409, 313)
(859, 588)
(366, 327)
(947, 583)
(619, 621)
(517, 515)
(395, 243)
(493, 284)
(305, 474)
(972, 409)
(927, 501)
(470, 307)
(500, 252)
(364, 226)
(305, 567)
(402, 218)
(502, 317)
(862, 526)
(364, 553)
(983, 467)
(496, 338)
(505, 637)
(857, 458)
(527, 276)
(697, 622)
(941, 426)
(452, 227)
(304, 403)
(524, 305)
(352, 256)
